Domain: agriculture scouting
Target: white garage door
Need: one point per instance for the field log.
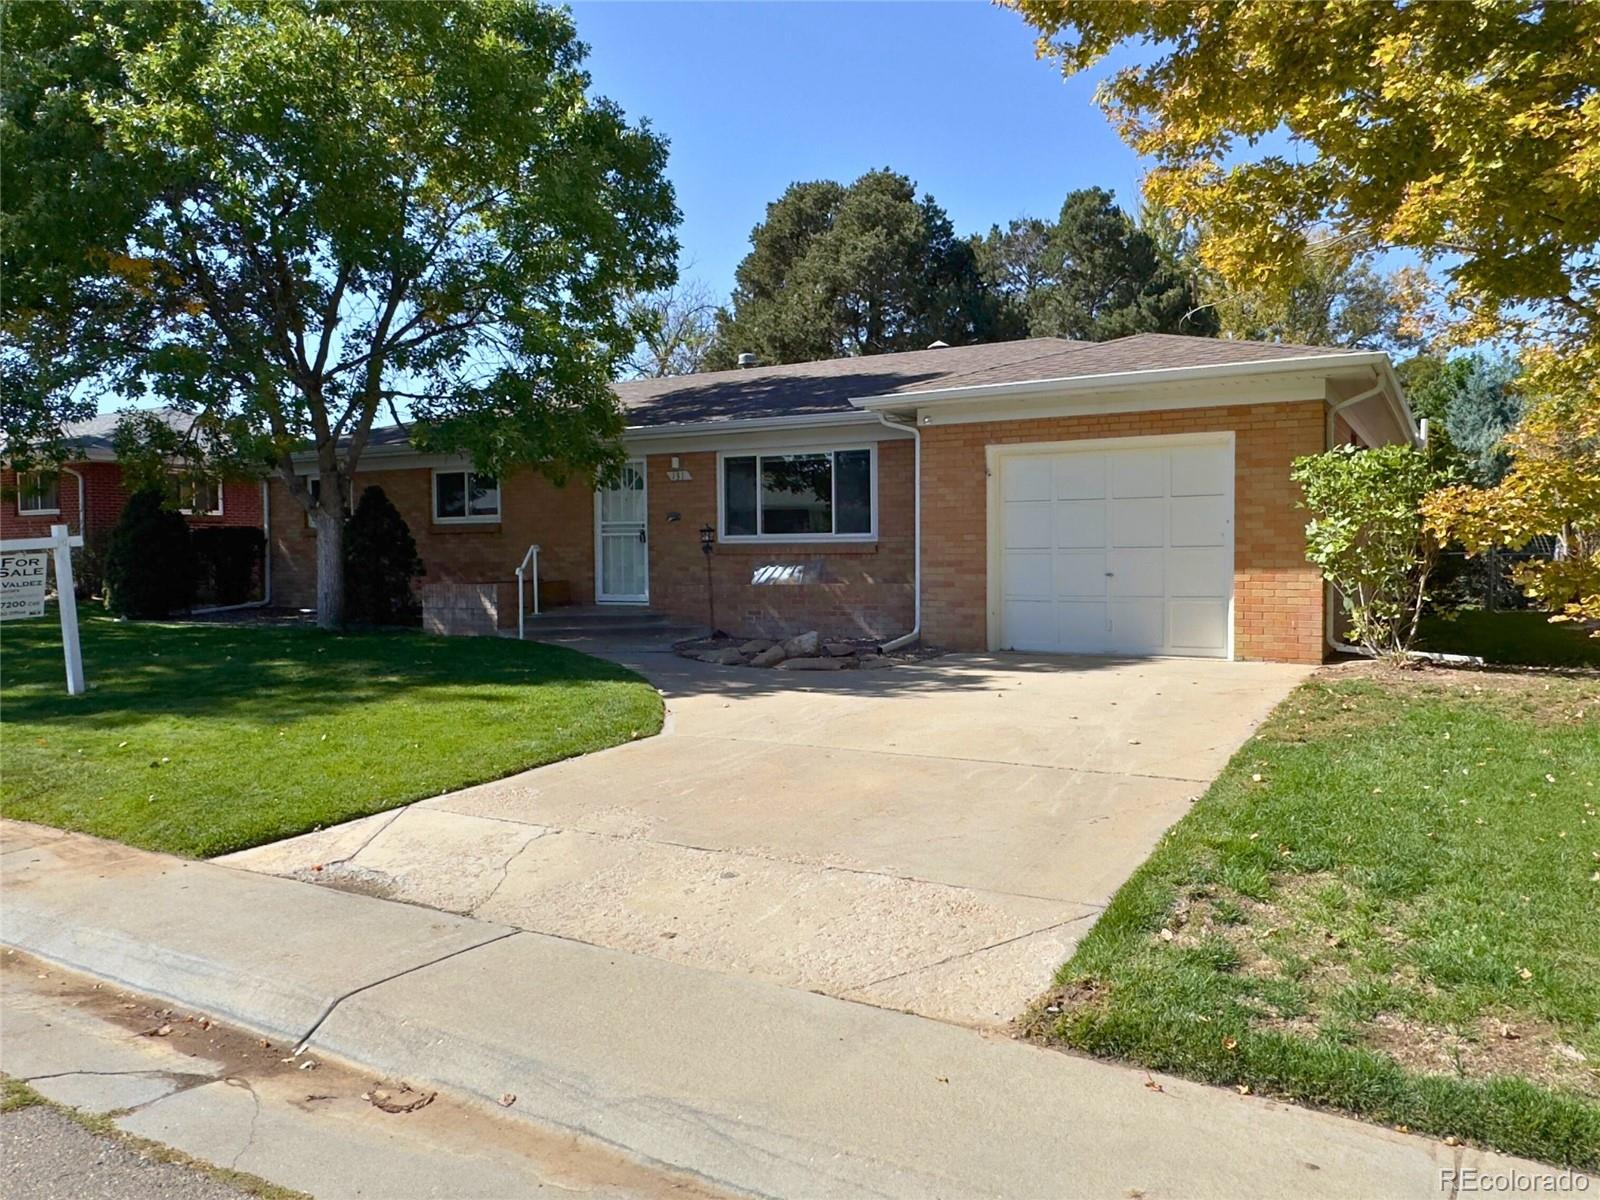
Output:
(1117, 551)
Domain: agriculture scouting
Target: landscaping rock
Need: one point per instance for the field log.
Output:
(728, 656)
(868, 662)
(770, 657)
(803, 645)
(811, 664)
(838, 649)
(755, 646)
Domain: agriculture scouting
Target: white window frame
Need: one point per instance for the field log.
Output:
(796, 538)
(181, 477)
(482, 519)
(22, 491)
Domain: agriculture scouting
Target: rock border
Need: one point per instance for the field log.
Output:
(808, 651)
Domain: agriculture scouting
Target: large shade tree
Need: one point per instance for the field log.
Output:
(863, 268)
(1092, 274)
(293, 218)
(1467, 133)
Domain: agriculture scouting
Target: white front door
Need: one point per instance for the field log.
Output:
(1115, 550)
(621, 550)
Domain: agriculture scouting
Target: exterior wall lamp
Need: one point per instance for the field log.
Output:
(708, 543)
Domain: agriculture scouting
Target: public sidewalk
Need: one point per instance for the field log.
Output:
(751, 1086)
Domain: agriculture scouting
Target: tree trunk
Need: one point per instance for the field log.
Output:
(330, 564)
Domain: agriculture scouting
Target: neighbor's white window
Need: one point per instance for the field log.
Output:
(798, 497)
(38, 494)
(465, 496)
(197, 496)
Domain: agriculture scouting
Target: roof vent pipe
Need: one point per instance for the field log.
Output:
(746, 360)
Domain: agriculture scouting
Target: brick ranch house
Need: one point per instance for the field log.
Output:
(1129, 497)
(87, 493)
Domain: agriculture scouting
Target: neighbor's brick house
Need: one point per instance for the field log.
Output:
(1127, 497)
(87, 493)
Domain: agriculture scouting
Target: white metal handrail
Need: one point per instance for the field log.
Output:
(531, 556)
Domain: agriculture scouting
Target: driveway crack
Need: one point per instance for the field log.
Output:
(327, 1012)
(978, 950)
(505, 872)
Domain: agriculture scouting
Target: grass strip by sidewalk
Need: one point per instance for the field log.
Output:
(1388, 903)
(200, 739)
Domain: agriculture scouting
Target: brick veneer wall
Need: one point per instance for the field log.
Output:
(860, 589)
(532, 510)
(1278, 595)
(104, 497)
(852, 590)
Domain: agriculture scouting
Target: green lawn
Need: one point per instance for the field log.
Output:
(200, 739)
(1388, 903)
(1527, 639)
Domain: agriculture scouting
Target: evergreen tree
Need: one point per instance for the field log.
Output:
(381, 560)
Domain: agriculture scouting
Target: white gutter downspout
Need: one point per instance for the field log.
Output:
(83, 511)
(1328, 609)
(906, 639)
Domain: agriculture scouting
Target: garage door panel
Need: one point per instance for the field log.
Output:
(1081, 624)
(1199, 626)
(1080, 476)
(1138, 626)
(1030, 526)
(1138, 573)
(1138, 474)
(1029, 478)
(1080, 573)
(1198, 572)
(1199, 471)
(1121, 551)
(1200, 521)
(1030, 575)
(1080, 524)
(1138, 523)
(1031, 625)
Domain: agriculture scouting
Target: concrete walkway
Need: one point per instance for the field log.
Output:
(750, 1086)
(932, 837)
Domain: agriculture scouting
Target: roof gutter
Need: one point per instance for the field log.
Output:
(740, 425)
(1111, 380)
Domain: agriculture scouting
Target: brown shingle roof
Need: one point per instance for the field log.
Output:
(804, 389)
(1140, 352)
(814, 388)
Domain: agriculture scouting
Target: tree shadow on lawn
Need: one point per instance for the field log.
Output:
(143, 671)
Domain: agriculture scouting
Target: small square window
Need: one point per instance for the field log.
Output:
(465, 496)
(38, 494)
(197, 495)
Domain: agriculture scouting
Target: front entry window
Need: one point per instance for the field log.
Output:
(815, 495)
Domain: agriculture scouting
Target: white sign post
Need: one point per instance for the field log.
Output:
(22, 588)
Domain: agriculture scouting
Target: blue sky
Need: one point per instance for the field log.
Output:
(754, 96)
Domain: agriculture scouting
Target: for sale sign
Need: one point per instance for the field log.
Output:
(22, 584)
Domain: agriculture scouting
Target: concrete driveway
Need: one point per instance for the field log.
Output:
(933, 837)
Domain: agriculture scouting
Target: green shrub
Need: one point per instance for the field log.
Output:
(149, 564)
(1366, 535)
(380, 561)
(227, 562)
